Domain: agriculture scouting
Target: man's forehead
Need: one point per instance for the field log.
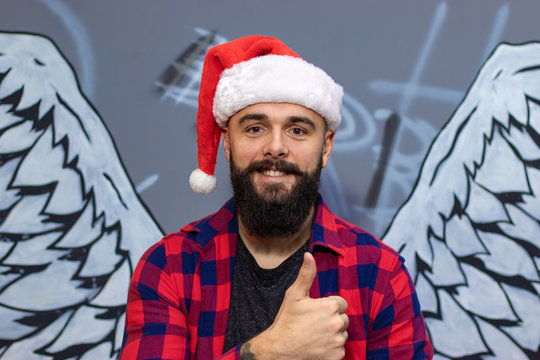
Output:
(283, 111)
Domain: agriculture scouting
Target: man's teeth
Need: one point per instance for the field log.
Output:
(273, 173)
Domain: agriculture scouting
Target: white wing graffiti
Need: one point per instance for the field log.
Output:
(71, 224)
(470, 228)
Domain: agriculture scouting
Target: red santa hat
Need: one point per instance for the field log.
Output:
(251, 70)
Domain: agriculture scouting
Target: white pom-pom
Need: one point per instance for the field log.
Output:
(201, 182)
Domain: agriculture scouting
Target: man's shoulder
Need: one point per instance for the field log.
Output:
(199, 233)
(362, 237)
(353, 238)
(187, 244)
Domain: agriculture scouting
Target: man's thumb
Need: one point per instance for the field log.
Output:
(301, 286)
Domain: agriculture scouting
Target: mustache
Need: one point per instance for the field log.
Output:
(279, 165)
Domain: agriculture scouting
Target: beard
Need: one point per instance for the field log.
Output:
(274, 211)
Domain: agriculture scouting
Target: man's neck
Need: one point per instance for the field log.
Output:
(270, 252)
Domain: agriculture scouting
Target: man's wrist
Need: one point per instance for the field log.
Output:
(261, 347)
(245, 352)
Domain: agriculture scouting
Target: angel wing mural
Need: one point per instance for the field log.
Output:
(469, 230)
(70, 219)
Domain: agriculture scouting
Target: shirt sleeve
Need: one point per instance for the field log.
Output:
(398, 331)
(156, 317)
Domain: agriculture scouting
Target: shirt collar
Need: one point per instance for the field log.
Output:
(324, 232)
(225, 221)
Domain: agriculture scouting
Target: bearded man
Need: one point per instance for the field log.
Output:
(273, 274)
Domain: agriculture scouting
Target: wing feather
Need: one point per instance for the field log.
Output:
(7, 118)
(97, 265)
(523, 227)
(24, 348)
(26, 217)
(500, 344)
(102, 351)
(430, 301)
(457, 322)
(8, 197)
(483, 296)
(526, 306)
(17, 138)
(461, 236)
(67, 292)
(86, 224)
(39, 166)
(483, 206)
(501, 170)
(522, 143)
(88, 326)
(446, 270)
(34, 251)
(534, 116)
(119, 280)
(11, 326)
(497, 259)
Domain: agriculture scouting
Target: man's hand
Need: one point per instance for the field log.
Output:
(304, 328)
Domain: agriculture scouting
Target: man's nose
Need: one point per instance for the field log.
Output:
(276, 146)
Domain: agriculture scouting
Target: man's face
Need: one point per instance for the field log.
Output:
(276, 153)
(291, 139)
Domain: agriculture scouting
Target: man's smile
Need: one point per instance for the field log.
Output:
(273, 173)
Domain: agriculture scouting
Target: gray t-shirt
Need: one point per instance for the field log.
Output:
(257, 294)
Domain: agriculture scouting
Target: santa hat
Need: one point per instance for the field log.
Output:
(251, 70)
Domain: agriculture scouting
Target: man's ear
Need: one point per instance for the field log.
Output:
(328, 146)
(226, 143)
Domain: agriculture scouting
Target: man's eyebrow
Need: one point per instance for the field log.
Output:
(252, 116)
(302, 119)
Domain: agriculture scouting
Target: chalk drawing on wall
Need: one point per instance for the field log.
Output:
(70, 219)
(81, 39)
(181, 80)
(470, 230)
(402, 167)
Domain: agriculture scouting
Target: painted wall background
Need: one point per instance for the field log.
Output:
(73, 222)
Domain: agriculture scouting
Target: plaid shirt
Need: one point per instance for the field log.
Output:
(180, 292)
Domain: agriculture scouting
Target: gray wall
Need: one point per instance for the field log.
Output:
(473, 249)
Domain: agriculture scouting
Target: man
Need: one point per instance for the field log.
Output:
(273, 274)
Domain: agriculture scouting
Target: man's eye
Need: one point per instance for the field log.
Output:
(298, 131)
(254, 130)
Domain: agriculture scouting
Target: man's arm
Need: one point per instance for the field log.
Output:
(156, 328)
(398, 331)
(157, 324)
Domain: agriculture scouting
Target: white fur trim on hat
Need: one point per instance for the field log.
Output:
(277, 78)
(201, 182)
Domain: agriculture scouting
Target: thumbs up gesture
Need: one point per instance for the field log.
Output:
(304, 328)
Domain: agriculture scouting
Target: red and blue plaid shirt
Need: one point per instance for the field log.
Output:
(180, 292)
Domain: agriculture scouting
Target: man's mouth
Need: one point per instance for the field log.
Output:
(273, 173)
(273, 168)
